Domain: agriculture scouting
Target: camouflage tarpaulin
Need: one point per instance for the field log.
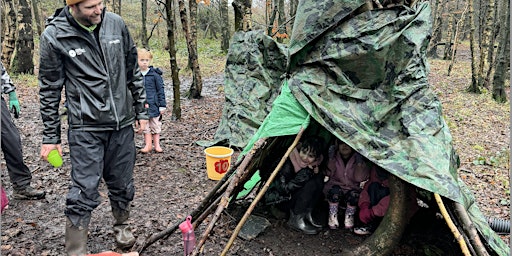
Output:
(252, 82)
(363, 77)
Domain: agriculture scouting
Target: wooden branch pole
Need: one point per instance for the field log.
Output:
(453, 228)
(224, 200)
(261, 193)
(470, 230)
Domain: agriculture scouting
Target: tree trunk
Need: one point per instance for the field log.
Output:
(449, 35)
(9, 36)
(196, 86)
(292, 11)
(116, 6)
(473, 87)
(37, 18)
(224, 17)
(492, 50)
(192, 7)
(388, 234)
(22, 61)
(243, 15)
(272, 26)
(503, 57)
(176, 108)
(458, 27)
(144, 30)
(281, 22)
(484, 43)
(436, 31)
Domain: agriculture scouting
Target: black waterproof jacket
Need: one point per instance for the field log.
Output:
(103, 84)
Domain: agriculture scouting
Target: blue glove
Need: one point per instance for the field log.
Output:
(14, 104)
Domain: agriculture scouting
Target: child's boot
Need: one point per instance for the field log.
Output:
(148, 140)
(333, 216)
(156, 140)
(349, 216)
(298, 222)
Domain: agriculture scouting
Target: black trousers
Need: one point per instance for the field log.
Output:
(107, 155)
(306, 198)
(19, 173)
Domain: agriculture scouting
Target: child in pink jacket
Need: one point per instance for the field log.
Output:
(373, 201)
(345, 171)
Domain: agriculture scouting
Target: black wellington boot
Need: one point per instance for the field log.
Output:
(75, 239)
(298, 222)
(313, 222)
(122, 230)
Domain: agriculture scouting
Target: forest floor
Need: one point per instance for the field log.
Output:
(170, 185)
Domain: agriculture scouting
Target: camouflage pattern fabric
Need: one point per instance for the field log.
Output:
(254, 66)
(364, 77)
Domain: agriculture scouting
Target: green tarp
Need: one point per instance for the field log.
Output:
(364, 78)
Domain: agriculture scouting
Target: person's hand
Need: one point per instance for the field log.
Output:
(46, 148)
(14, 104)
(140, 125)
(366, 213)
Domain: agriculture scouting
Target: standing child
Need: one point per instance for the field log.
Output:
(298, 185)
(155, 94)
(345, 171)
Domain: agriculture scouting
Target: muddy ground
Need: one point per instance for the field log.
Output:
(170, 185)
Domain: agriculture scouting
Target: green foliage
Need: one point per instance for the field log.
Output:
(478, 147)
(500, 158)
(24, 80)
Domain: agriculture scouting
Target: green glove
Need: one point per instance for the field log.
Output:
(14, 104)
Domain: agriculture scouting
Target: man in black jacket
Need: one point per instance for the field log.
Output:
(90, 52)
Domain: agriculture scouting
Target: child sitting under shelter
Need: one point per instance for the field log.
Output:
(299, 185)
(373, 201)
(346, 169)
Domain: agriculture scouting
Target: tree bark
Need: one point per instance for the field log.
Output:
(460, 23)
(292, 11)
(449, 35)
(9, 36)
(243, 15)
(484, 43)
(37, 17)
(491, 49)
(281, 22)
(224, 17)
(196, 86)
(22, 61)
(176, 108)
(503, 57)
(436, 31)
(144, 30)
(473, 87)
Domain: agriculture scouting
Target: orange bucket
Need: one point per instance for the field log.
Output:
(218, 161)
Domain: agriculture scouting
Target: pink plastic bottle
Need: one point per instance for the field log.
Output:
(189, 238)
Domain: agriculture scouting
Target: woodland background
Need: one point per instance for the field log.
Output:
(469, 57)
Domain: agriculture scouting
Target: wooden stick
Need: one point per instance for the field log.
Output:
(261, 193)
(224, 200)
(453, 228)
(470, 229)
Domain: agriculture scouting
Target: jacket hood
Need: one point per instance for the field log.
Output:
(157, 70)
